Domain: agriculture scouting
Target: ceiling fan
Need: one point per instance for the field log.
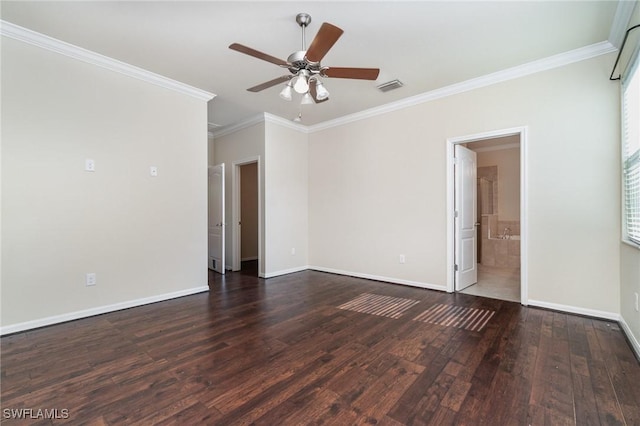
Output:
(304, 65)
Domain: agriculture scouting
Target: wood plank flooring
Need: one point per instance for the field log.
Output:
(282, 352)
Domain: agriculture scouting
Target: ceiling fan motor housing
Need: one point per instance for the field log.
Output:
(299, 62)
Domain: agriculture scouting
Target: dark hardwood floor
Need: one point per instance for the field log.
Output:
(299, 349)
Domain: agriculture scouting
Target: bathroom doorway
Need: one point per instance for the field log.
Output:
(500, 218)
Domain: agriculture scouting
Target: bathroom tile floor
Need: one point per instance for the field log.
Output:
(496, 283)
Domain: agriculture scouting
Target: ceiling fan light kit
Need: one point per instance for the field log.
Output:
(304, 65)
(286, 92)
(306, 99)
(302, 85)
(321, 92)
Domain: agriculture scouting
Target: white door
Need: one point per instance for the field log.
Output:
(466, 255)
(216, 218)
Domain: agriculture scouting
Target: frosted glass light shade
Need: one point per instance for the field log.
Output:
(307, 99)
(286, 92)
(301, 86)
(321, 92)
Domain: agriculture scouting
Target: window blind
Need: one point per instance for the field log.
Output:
(631, 153)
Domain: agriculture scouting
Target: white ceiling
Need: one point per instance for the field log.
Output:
(425, 44)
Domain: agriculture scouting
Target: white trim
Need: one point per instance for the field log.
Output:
(635, 345)
(264, 117)
(56, 319)
(576, 310)
(540, 65)
(380, 278)
(284, 272)
(25, 35)
(630, 243)
(227, 130)
(524, 235)
(621, 21)
(270, 118)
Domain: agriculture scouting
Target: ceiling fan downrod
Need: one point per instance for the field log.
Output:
(303, 19)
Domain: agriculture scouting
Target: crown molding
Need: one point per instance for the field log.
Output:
(16, 32)
(260, 118)
(251, 121)
(620, 22)
(270, 118)
(529, 68)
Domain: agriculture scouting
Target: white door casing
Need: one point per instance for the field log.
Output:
(216, 218)
(236, 231)
(465, 206)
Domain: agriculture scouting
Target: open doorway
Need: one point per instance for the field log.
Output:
(499, 215)
(247, 216)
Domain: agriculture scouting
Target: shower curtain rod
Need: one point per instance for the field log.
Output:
(624, 40)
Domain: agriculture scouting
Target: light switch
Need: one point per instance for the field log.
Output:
(153, 171)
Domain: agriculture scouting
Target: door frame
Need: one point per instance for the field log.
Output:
(524, 195)
(236, 235)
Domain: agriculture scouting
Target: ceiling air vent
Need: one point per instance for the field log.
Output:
(390, 85)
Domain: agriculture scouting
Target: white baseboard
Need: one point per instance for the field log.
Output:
(284, 272)
(632, 339)
(380, 278)
(575, 310)
(244, 259)
(56, 319)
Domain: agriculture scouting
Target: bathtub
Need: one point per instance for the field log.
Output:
(501, 252)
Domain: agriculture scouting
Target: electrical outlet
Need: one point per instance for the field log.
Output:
(89, 165)
(636, 295)
(90, 279)
(402, 259)
(293, 251)
(153, 171)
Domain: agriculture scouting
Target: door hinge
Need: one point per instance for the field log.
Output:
(455, 214)
(455, 267)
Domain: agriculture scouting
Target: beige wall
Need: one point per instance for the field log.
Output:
(283, 176)
(377, 187)
(143, 237)
(210, 151)
(508, 163)
(286, 199)
(249, 211)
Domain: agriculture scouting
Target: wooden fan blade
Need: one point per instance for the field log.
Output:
(357, 73)
(314, 93)
(256, 54)
(324, 40)
(270, 83)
